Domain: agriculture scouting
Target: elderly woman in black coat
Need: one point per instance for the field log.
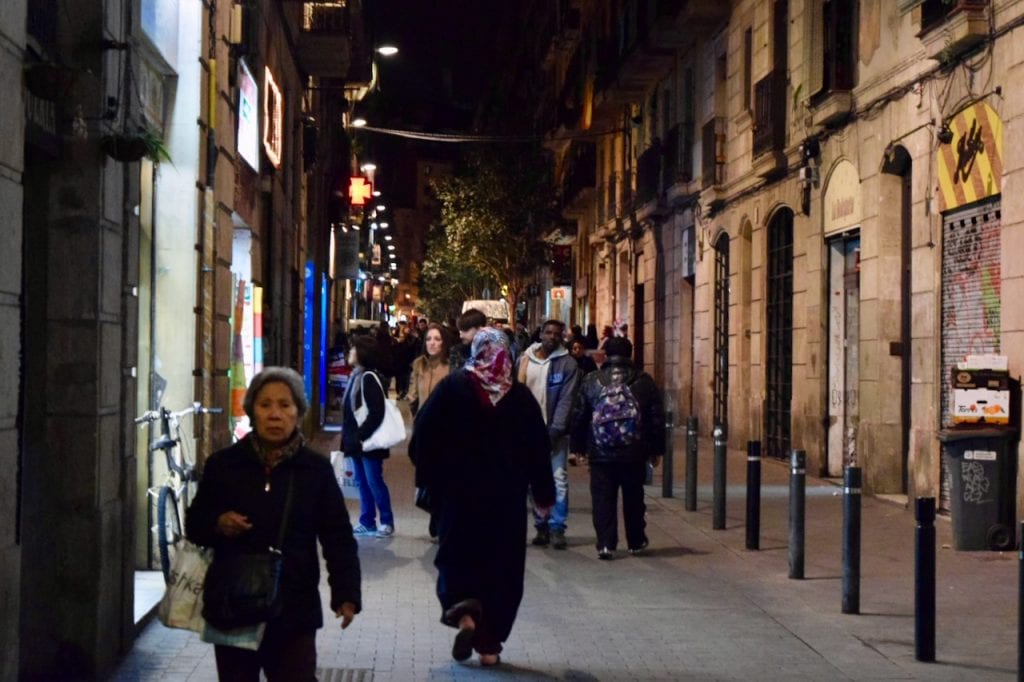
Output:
(479, 442)
(239, 508)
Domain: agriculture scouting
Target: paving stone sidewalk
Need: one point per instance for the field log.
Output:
(698, 606)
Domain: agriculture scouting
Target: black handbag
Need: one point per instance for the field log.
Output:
(245, 589)
(423, 499)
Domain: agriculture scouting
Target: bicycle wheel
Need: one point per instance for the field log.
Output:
(168, 525)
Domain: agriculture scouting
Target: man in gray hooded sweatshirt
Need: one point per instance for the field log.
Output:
(551, 374)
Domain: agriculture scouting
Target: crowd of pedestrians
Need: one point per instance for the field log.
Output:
(498, 416)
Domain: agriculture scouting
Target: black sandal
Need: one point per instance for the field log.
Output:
(462, 647)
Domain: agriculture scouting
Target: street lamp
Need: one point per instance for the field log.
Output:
(358, 122)
(387, 50)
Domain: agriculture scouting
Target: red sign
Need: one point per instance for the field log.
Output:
(359, 191)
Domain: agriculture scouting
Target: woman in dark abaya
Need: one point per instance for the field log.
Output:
(479, 442)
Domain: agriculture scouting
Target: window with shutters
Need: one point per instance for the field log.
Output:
(831, 40)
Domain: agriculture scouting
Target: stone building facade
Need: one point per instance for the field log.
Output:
(802, 209)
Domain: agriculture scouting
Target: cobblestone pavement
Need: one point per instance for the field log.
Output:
(698, 606)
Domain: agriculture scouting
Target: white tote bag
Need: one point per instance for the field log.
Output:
(392, 428)
(182, 604)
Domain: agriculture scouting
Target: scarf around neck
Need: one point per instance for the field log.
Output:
(271, 456)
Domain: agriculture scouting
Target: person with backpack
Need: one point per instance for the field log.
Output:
(618, 425)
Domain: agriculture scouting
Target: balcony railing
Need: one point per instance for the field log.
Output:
(713, 152)
(325, 17)
(770, 113)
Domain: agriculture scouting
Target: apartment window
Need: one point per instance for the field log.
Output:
(748, 67)
(832, 39)
(935, 12)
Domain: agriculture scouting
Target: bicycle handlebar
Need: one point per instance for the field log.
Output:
(196, 408)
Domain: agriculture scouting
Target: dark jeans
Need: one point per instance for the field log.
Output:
(605, 480)
(283, 656)
(402, 380)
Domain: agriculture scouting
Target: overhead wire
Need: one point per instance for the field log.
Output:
(471, 138)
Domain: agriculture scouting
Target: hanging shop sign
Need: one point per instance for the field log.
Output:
(971, 166)
(273, 117)
(347, 255)
(248, 117)
(843, 205)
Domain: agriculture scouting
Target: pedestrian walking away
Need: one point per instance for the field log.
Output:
(364, 388)
(553, 376)
(479, 442)
(617, 424)
(243, 496)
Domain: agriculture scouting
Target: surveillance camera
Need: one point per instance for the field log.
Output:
(945, 135)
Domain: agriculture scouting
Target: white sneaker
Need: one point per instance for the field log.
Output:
(385, 531)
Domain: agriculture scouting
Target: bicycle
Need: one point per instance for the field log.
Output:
(171, 498)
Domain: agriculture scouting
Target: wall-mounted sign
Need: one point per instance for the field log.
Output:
(273, 118)
(359, 191)
(971, 166)
(248, 117)
(843, 206)
(558, 294)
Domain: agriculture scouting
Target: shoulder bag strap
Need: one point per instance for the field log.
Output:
(287, 510)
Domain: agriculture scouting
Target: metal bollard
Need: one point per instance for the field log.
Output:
(924, 580)
(851, 539)
(797, 498)
(666, 465)
(691, 464)
(753, 494)
(718, 509)
(1020, 607)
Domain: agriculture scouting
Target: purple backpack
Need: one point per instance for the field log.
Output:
(615, 421)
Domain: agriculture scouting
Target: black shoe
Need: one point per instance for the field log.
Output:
(558, 540)
(605, 554)
(637, 551)
(462, 647)
(543, 537)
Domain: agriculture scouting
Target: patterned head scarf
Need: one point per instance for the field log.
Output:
(490, 363)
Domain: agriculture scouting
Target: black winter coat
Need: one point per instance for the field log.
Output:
(652, 416)
(352, 433)
(235, 479)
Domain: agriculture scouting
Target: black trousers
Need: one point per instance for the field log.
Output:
(605, 480)
(283, 656)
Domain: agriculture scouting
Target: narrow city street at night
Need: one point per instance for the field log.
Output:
(695, 606)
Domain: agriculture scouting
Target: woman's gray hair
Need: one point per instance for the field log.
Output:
(287, 376)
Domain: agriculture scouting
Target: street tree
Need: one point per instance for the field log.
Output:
(496, 208)
(445, 279)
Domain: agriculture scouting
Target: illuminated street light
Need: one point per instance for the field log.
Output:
(387, 237)
(358, 122)
(376, 192)
(385, 225)
(368, 167)
(387, 50)
(391, 247)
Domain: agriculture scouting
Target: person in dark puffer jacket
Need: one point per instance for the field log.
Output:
(622, 466)
(239, 507)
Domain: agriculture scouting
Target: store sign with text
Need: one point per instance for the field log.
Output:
(248, 117)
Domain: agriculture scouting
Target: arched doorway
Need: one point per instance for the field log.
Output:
(779, 335)
(721, 362)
